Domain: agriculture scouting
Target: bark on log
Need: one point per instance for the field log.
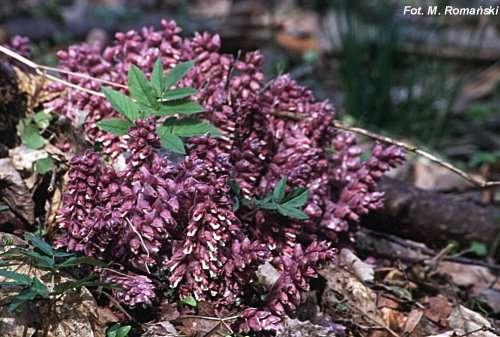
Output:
(432, 217)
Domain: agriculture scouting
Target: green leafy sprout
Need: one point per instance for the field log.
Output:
(31, 130)
(118, 330)
(156, 98)
(287, 204)
(189, 300)
(40, 255)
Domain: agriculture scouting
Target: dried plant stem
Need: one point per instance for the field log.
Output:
(141, 240)
(478, 181)
(208, 318)
(117, 304)
(67, 72)
(41, 69)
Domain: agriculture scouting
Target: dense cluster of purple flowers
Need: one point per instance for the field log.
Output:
(21, 45)
(178, 218)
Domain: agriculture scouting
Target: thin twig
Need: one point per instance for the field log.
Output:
(53, 177)
(425, 252)
(117, 304)
(375, 320)
(84, 76)
(142, 242)
(408, 147)
(208, 318)
(40, 69)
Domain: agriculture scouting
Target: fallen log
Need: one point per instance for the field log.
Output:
(432, 217)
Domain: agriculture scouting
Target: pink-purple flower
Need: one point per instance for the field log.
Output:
(176, 216)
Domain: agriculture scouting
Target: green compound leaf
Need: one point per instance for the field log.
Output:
(297, 198)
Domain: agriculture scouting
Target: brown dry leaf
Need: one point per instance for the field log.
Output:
(34, 87)
(199, 326)
(168, 311)
(52, 208)
(300, 31)
(430, 176)
(160, 329)
(464, 321)
(387, 301)
(106, 315)
(360, 300)
(15, 193)
(438, 310)
(414, 318)
(394, 319)
(75, 315)
(491, 297)
(296, 328)
(23, 157)
(467, 275)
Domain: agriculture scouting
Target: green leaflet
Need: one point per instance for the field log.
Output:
(44, 165)
(188, 127)
(287, 204)
(180, 107)
(177, 73)
(122, 103)
(179, 93)
(115, 126)
(140, 89)
(173, 143)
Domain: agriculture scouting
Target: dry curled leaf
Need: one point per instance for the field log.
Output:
(464, 321)
(15, 194)
(344, 290)
(203, 327)
(438, 310)
(412, 321)
(33, 85)
(160, 329)
(296, 328)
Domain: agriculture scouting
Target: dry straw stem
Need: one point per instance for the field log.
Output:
(41, 69)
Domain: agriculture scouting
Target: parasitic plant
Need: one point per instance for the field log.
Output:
(217, 180)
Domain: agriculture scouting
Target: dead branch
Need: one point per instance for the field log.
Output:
(429, 216)
(406, 146)
(42, 71)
